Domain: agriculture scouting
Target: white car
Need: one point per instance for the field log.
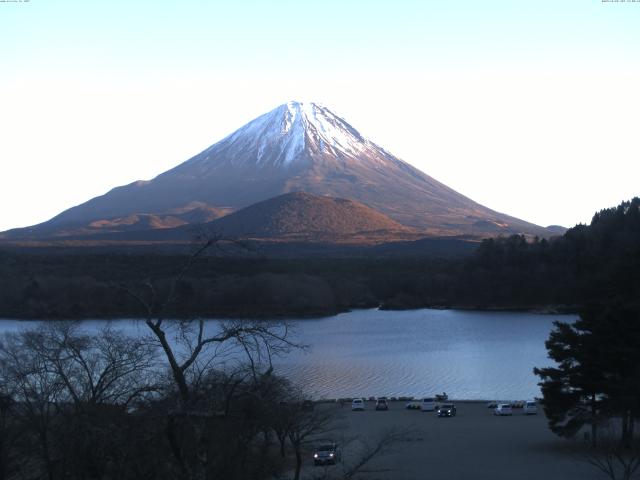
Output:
(428, 405)
(503, 409)
(530, 407)
(357, 404)
(413, 405)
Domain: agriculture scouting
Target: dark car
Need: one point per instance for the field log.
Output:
(326, 454)
(382, 404)
(446, 410)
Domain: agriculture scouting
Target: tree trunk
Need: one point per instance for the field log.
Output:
(43, 437)
(178, 374)
(298, 463)
(594, 427)
(627, 429)
(171, 435)
(266, 441)
(201, 450)
(3, 466)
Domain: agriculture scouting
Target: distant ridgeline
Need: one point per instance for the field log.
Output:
(598, 262)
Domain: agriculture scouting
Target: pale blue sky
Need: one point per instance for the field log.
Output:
(529, 107)
(124, 38)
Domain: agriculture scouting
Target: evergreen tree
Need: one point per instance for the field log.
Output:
(597, 376)
(572, 391)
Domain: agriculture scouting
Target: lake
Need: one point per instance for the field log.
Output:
(467, 354)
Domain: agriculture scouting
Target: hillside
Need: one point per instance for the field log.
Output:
(304, 216)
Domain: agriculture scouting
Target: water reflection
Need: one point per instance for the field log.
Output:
(470, 355)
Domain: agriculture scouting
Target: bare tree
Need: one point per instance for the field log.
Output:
(36, 392)
(192, 349)
(303, 427)
(259, 340)
(8, 433)
(71, 390)
(107, 368)
(618, 460)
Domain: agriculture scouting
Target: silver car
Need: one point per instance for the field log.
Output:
(530, 408)
(503, 409)
(428, 404)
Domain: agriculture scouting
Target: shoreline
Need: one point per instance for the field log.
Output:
(382, 369)
(538, 310)
(403, 399)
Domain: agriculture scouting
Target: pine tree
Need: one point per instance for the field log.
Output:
(598, 373)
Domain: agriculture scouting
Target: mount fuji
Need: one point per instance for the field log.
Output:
(297, 147)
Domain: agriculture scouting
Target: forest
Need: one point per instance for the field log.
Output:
(589, 263)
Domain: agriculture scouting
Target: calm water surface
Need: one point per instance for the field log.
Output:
(468, 354)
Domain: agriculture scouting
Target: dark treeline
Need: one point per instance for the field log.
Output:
(593, 388)
(82, 286)
(587, 263)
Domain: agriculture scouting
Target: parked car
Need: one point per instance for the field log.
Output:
(446, 410)
(503, 409)
(326, 454)
(530, 407)
(357, 404)
(428, 404)
(382, 404)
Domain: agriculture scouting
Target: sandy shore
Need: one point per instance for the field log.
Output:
(473, 445)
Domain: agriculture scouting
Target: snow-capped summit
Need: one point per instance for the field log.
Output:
(296, 147)
(288, 134)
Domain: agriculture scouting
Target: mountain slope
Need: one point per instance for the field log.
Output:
(302, 215)
(296, 147)
(292, 217)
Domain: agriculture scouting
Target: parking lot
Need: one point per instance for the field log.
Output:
(474, 444)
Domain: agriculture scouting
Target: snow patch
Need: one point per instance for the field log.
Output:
(280, 137)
